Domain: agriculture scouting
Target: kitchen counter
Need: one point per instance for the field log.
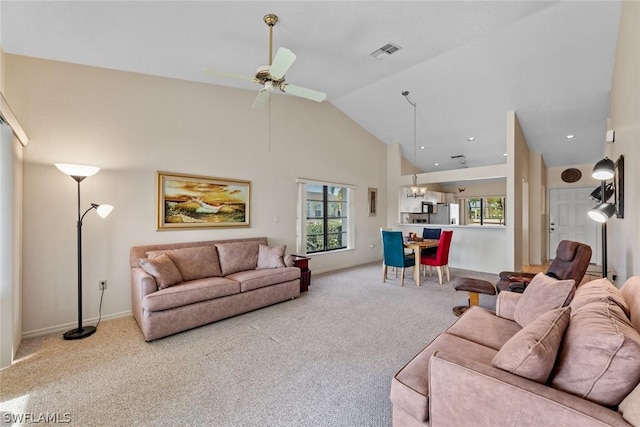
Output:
(423, 225)
(473, 247)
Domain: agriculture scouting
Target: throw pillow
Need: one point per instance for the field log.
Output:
(288, 261)
(531, 353)
(238, 256)
(270, 257)
(598, 290)
(193, 263)
(599, 358)
(163, 269)
(544, 293)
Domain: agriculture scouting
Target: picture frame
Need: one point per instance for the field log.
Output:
(372, 201)
(194, 202)
(619, 186)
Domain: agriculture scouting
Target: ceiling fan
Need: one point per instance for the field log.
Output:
(271, 76)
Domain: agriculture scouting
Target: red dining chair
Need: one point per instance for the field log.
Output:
(440, 259)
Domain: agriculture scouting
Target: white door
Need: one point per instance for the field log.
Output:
(568, 219)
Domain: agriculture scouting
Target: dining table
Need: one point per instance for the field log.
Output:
(416, 247)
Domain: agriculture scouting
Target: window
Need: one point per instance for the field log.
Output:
(485, 211)
(324, 221)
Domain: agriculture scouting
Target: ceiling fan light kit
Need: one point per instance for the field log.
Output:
(272, 76)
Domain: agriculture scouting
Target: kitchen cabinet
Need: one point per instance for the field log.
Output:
(434, 197)
(409, 204)
(414, 204)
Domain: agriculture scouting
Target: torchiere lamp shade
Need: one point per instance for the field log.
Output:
(77, 170)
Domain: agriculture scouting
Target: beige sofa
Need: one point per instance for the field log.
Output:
(179, 286)
(537, 361)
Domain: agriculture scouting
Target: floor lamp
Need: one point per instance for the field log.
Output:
(603, 170)
(79, 173)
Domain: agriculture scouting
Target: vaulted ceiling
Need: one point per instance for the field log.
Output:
(464, 63)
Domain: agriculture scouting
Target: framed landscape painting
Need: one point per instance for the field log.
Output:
(191, 201)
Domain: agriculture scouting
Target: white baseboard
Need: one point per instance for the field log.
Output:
(67, 326)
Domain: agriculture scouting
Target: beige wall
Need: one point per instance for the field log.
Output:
(517, 196)
(477, 190)
(133, 125)
(624, 234)
(408, 168)
(538, 230)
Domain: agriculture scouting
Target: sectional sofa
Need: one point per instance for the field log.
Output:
(179, 286)
(545, 357)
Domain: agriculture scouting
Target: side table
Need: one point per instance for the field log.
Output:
(302, 262)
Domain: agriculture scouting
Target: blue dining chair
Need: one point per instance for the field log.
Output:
(393, 254)
(430, 233)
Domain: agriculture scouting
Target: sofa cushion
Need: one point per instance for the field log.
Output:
(237, 256)
(189, 293)
(631, 293)
(630, 407)
(162, 269)
(531, 353)
(193, 263)
(598, 290)
(270, 257)
(543, 294)
(254, 279)
(506, 304)
(410, 386)
(599, 358)
(495, 331)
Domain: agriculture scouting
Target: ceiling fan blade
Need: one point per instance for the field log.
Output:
(281, 63)
(303, 92)
(227, 75)
(261, 99)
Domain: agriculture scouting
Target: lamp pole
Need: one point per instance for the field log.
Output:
(79, 173)
(604, 232)
(603, 170)
(79, 332)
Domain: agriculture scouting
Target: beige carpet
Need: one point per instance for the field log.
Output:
(324, 359)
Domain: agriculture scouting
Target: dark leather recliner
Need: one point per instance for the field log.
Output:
(571, 262)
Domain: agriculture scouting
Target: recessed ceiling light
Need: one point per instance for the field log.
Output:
(471, 138)
(422, 147)
(436, 164)
(504, 154)
(571, 136)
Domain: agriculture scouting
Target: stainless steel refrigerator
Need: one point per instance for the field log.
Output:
(445, 213)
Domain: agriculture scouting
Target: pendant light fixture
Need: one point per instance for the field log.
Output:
(416, 191)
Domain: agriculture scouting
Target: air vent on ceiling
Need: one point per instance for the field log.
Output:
(463, 160)
(384, 51)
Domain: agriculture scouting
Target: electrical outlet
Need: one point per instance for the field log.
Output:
(102, 285)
